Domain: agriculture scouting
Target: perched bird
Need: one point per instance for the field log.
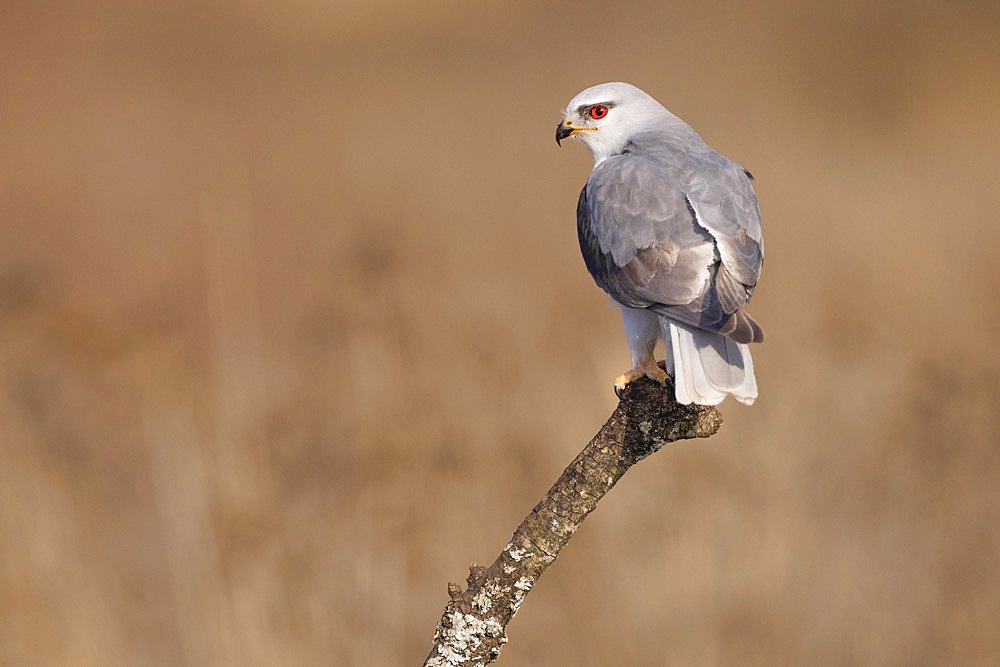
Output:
(671, 230)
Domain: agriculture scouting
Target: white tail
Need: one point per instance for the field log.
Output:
(707, 366)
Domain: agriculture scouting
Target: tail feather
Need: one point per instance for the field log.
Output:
(708, 367)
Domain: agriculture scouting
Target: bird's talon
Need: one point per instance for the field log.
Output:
(656, 374)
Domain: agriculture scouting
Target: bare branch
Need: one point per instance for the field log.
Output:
(472, 630)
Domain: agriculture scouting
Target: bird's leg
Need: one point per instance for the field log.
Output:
(642, 330)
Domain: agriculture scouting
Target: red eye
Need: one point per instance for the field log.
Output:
(598, 111)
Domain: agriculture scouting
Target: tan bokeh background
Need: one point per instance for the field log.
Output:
(294, 327)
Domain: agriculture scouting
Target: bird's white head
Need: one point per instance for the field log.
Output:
(605, 116)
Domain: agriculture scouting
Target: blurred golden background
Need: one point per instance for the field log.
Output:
(294, 327)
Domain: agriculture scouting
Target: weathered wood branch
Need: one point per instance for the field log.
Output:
(472, 630)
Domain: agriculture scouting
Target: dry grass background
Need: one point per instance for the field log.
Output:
(293, 327)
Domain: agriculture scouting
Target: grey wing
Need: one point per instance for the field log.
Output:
(638, 236)
(643, 244)
(722, 198)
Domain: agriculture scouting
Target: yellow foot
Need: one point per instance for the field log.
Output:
(654, 373)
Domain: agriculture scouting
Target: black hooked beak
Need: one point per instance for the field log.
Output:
(563, 130)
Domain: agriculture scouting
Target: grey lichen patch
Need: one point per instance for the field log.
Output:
(463, 638)
(482, 601)
(524, 584)
(515, 603)
(516, 554)
(520, 589)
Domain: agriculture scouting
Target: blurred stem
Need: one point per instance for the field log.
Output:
(472, 630)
